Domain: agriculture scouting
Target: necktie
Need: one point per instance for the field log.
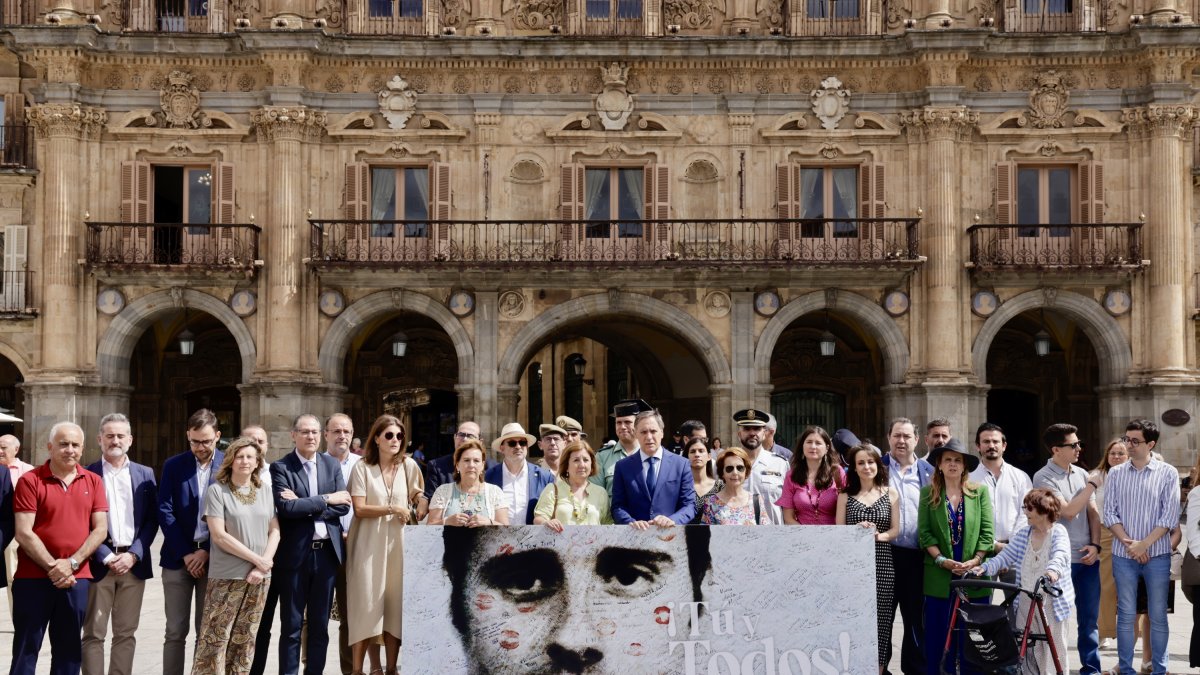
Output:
(651, 479)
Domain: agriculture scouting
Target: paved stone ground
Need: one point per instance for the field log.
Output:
(150, 632)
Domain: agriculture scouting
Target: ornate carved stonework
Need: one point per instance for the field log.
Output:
(831, 102)
(454, 11)
(691, 13)
(1175, 120)
(284, 123)
(770, 13)
(535, 14)
(958, 122)
(66, 119)
(1047, 101)
(614, 104)
(397, 102)
(179, 104)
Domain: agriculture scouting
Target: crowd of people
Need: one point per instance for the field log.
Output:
(318, 534)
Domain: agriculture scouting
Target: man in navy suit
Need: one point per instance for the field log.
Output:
(185, 481)
(907, 475)
(441, 470)
(521, 480)
(121, 564)
(310, 499)
(652, 486)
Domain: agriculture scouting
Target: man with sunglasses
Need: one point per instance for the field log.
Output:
(1078, 514)
(521, 480)
(184, 556)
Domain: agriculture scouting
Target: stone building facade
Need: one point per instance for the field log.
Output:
(841, 210)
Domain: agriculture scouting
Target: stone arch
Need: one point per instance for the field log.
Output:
(119, 340)
(1112, 349)
(17, 359)
(332, 356)
(655, 312)
(872, 317)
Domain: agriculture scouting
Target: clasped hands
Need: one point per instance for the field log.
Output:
(474, 520)
(61, 574)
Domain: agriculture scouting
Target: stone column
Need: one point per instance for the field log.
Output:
(47, 403)
(491, 409)
(741, 351)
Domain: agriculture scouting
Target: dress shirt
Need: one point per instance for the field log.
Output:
(766, 483)
(202, 474)
(346, 464)
(1141, 500)
(310, 469)
(907, 482)
(516, 491)
(118, 487)
(1193, 522)
(1008, 498)
(658, 455)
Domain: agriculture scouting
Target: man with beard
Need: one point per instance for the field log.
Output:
(1007, 486)
(623, 415)
(937, 434)
(767, 469)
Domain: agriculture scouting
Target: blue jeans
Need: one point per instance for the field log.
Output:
(1157, 573)
(1086, 580)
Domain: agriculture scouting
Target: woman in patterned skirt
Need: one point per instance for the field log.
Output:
(240, 513)
(869, 503)
(733, 504)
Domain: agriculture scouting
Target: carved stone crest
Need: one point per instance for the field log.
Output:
(614, 104)
(397, 102)
(691, 13)
(1047, 101)
(831, 102)
(179, 103)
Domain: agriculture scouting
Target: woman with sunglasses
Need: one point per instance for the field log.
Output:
(468, 501)
(869, 503)
(386, 489)
(733, 504)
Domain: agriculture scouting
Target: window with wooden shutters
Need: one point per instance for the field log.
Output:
(871, 205)
(135, 208)
(657, 189)
(1044, 196)
(615, 201)
(1091, 240)
(829, 198)
(358, 208)
(571, 210)
(16, 254)
(440, 190)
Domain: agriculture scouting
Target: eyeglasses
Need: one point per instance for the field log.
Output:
(1078, 445)
(466, 436)
(730, 468)
(1134, 442)
(203, 443)
(518, 443)
(389, 435)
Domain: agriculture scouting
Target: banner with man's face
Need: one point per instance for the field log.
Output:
(614, 600)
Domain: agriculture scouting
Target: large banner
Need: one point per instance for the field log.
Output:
(611, 599)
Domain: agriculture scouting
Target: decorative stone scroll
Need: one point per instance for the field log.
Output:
(535, 14)
(397, 102)
(179, 104)
(614, 104)
(289, 123)
(831, 102)
(691, 13)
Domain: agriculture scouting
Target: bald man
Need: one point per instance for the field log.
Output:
(10, 447)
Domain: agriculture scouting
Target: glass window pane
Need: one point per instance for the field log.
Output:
(598, 201)
(1057, 7)
(631, 204)
(416, 202)
(846, 9)
(629, 9)
(383, 201)
(1060, 200)
(599, 9)
(199, 187)
(818, 9)
(845, 201)
(1028, 201)
(812, 202)
(411, 9)
(379, 7)
(198, 7)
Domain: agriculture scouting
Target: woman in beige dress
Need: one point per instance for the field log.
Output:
(383, 487)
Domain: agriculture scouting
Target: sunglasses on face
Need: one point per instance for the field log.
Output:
(516, 444)
(1076, 445)
(389, 435)
(730, 468)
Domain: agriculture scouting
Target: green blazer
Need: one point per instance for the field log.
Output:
(933, 530)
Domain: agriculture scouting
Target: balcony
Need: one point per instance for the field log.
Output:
(16, 294)
(1055, 16)
(138, 246)
(867, 243)
(834, 18)
(1113, 247)
(178, 16)
(15, 151)
(391, 17)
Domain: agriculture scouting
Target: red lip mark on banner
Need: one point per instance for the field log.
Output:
(484, 601)
(662, 616)
(506, 549)
(509, 639)
(606, 627)
(525, 609)
(667, 537)
(635, 649)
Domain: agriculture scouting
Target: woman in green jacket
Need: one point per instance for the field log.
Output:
(954, 524)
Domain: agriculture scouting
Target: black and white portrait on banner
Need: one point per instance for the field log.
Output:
(607, 599)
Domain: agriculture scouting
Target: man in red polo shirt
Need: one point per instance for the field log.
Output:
(61, 517)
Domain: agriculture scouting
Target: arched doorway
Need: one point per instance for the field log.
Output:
(170, 384)
(404, 364)
(825, 371)
(1031, 390)
(12, 401)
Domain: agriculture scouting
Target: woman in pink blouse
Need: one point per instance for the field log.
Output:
(810, 491)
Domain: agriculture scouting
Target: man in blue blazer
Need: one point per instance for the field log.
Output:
(181, 493)
(310, 500)
(8, 528)
(652, 486)
(521, 480)
(121, 564)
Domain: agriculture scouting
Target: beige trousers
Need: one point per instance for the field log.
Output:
(119, 599)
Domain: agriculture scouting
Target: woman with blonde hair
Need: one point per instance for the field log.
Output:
(1115, 454)
(383, 487)
(244, 533)
(572, 499)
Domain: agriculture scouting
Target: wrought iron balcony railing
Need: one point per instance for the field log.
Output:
(16, 293)
(134, 245)
(14, 146)
(392, 243)
(1113, 246)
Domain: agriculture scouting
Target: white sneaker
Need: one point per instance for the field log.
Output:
(1107, 643)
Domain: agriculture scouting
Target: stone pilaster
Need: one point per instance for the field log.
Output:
(285, 133)
(741, 351)
(942, 131)
(491, 410)
(62, 128)
(49, 402)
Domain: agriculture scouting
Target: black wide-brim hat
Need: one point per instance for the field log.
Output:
(954, 445)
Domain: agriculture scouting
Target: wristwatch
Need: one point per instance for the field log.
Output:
(74, 564)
